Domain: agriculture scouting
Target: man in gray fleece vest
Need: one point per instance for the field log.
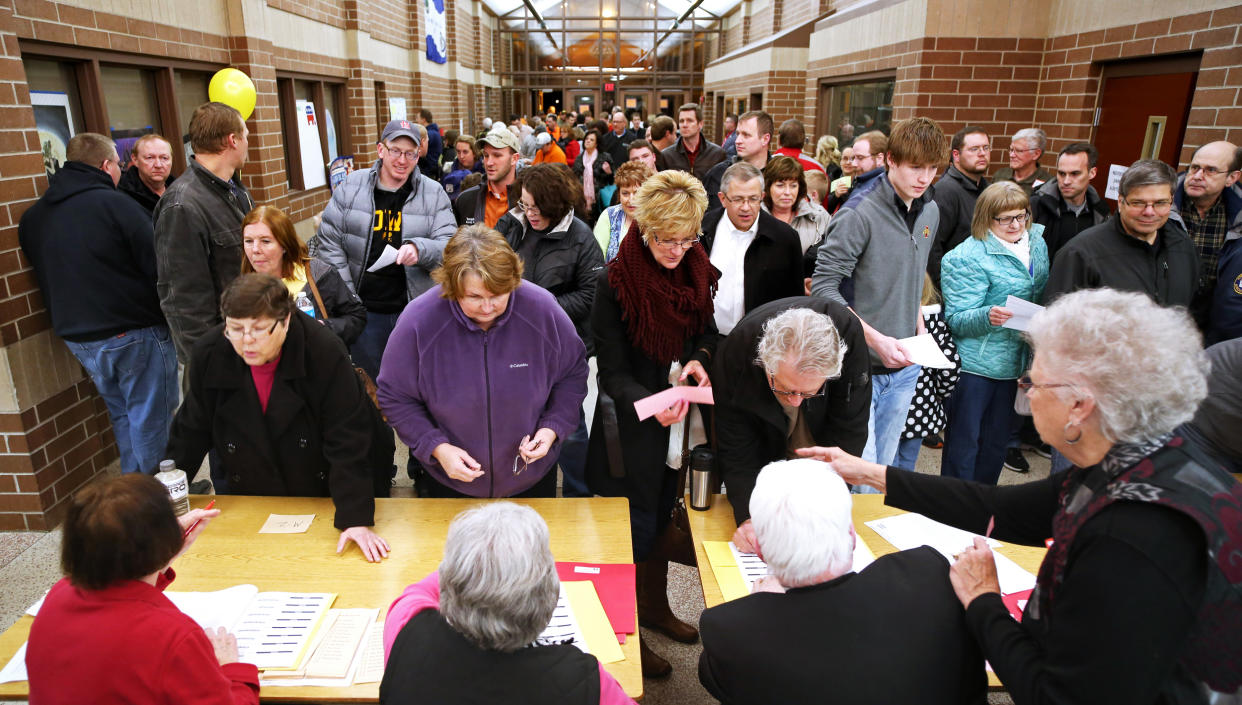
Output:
(874, 259)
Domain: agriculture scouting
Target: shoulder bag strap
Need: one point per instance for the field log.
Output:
(310, 279)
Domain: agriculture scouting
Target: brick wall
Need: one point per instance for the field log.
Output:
(325, 11)
(784, 96)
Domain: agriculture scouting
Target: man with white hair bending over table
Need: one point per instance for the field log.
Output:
(894, 633)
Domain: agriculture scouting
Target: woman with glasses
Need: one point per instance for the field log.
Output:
(484, 376)
(274, 394)
(1137, 597)
(273, 248)
(653, 327)
(1006, 256)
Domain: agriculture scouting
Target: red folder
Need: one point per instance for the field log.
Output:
(1012, 599)
(614, 582)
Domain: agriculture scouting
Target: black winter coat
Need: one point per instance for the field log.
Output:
(710, 154)
(346, 315)
(772, 267)
(602, 178)
(131, 184)
(567, 260)
(955, 195)
(471, 204)
(1060, 223)
(321, 435)
(626, 374)
(92, 252)
(751, 427)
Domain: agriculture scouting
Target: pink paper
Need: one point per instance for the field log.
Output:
(654, 404)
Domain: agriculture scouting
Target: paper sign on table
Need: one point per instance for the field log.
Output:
(287, 524)
(924, 351)
(600, 640)
(1023, 311)
(387, 257)
(614, 583)
(912, 530)
(654, 404)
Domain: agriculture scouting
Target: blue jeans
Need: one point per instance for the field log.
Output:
(891, 395)
(908, 453)
(368, 350)
(573, 461)
(980, 422)
(136, 374)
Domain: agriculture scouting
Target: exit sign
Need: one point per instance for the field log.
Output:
(610, 87)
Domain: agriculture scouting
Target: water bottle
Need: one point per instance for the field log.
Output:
(304, 304)
(178, 486)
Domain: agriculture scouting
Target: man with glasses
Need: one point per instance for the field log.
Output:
(1210, 203)
(1025, 148)
(794, 373)
(384, 230)
(1069, 204)
(759, 257)
(150, 171)
(957, 191)
(1144, 247)
(867, 161)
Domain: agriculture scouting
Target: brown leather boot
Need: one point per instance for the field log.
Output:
(653, 609)
(654, 665)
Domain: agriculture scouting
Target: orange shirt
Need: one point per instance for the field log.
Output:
(495, 206)
(556, 154)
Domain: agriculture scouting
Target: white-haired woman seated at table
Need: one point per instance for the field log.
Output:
(467, 632)
(1137, 599)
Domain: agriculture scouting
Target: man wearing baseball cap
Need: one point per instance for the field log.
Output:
(390, 206)
(490, 200)
(548, 151)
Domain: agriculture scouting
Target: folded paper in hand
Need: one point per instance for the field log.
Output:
(924, 351)
(1023, 311)
(654, 404)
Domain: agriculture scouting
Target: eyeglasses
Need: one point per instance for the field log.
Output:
(400, 154)
(1007, 220)
(1207, 170)
(978, 150)
(794, 395)
(1163, 204)
(856, 158)
(745, 200)
(1018, 151)
(675, 244)
(256, 334)
(1026, 385)
(528, 210)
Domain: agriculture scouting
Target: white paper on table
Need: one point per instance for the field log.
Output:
(563, 627)
(387, 257)
(357, 665)
(276, 627)
(287, 524)
(221, 608)
(15, 669)
(371, 663)
(924, 351)
(753, 568)
(1023, 311)
(906, 531)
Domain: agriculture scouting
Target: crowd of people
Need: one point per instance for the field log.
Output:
(455, 289)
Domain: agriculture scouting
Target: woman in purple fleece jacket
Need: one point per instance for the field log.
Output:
(484, 375)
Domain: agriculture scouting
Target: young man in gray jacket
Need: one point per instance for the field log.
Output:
(879, 241)
(388, 209)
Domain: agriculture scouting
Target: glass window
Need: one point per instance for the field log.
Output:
(191, 93)
(49, 76)
(129, 95)
(859, 108)
(330, 92)
(57, 108)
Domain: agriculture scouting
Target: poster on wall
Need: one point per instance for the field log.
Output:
(396, 109)
(313, 173)
(437, 34)
(54, 122)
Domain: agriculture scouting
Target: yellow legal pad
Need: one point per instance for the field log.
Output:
(589, 611)
(724, 567)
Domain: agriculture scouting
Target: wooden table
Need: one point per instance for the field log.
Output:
(717, 524)
(231, 552)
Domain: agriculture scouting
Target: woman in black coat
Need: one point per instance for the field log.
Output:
(652, 322)
(275, 396)
(273, 248)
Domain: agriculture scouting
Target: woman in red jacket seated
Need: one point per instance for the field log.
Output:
(105, 632)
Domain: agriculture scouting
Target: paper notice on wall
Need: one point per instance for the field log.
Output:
(1114, 180)
(396, 108)
(314, 167)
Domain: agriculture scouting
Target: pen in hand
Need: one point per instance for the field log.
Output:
(193, 526)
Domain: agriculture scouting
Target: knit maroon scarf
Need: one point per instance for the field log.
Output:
(662, 307)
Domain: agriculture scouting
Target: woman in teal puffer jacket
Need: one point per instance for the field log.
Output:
(1002, 258)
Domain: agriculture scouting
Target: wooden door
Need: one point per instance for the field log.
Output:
(1142, 111)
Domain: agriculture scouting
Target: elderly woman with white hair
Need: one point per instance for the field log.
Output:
(1138, 597)
(468, 632)
(836, 627)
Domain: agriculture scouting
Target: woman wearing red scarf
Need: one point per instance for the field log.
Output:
(652, 322)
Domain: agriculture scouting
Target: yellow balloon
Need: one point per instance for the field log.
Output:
(234, 89)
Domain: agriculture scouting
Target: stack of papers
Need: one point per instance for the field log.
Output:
(737, 572)
(579, 619)
(911, 530)
(614, 584)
